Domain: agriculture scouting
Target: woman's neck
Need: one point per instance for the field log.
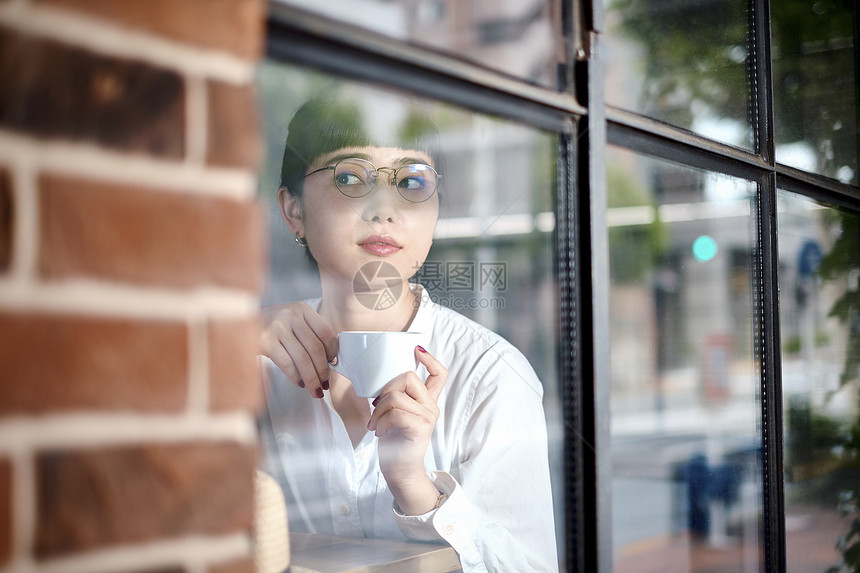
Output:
(344, 311)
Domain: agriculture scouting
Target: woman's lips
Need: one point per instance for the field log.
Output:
(382, 246)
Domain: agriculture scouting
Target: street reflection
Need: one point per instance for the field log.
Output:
(686, 467)
(521, 39)
(820, 324)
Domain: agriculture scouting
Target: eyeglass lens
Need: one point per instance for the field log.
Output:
(356, 177)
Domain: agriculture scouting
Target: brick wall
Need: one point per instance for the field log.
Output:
(131, 258)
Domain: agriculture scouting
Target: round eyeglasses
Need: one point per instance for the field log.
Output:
(355, 178)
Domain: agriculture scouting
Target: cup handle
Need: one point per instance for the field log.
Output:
(338, 367)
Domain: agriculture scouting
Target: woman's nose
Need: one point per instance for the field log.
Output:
(381, 203)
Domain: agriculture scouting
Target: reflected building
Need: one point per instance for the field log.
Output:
(684, 381)
(685, 375)
(511, 36)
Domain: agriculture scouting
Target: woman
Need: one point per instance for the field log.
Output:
(457, 453)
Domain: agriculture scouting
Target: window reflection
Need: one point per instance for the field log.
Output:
(684, 400)
(815, 82)
(491, 261)
(682, 62)
(819, 270)
(520, 38)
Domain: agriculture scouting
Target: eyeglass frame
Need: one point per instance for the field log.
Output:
(376, 169)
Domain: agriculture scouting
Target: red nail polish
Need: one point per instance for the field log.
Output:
(325, 384)
(421, 349)
(375, 401)
(301, 383)
(319, 393)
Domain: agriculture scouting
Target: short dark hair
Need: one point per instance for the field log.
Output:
(325, 124)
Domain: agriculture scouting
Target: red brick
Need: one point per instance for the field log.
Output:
(98, 498)
(235, 26)
(6, 509)
(53, 90)
(240, 566)
(66, 362)
(233, 126)
(233, 371)
(6, 220)
(147, 237)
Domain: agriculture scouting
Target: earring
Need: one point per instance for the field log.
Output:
(301, 240)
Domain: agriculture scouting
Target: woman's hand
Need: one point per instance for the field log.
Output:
(301, 343)
(404, 417)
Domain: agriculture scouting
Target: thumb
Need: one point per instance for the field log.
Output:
(438, 374)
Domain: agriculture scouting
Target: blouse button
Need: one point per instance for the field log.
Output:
(449, 529)
(345, 510)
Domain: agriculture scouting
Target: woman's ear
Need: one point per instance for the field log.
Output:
(291, 211)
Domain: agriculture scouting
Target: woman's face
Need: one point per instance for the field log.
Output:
(345, 233)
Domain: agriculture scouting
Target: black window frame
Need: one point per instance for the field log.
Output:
(584, 125)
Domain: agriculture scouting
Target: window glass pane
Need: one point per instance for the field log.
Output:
(685, 407)
(682, 62)
(815, 83)
(491, 224)
(518, 37)
(820, 314)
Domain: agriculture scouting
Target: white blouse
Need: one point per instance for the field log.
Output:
(488, 453)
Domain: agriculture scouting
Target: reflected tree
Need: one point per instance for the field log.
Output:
(695, 55)
(815, 81)
(842, 264)
(634, 250)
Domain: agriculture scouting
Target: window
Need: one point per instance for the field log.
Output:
(657, 204)
(684, 386)
(770, 296)
(521, 39)
(492, 261)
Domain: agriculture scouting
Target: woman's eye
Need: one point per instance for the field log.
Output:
(347, 178)
(413, 183)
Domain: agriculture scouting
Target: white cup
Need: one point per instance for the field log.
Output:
(370, 360)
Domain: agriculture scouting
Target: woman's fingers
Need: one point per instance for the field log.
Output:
(324, 332)
(274, 343)
(398, 419)
(299, 341)
(406, 394)
(409, 382)
(399, 396)
(313, 353)
(304, 363)
(437, 374)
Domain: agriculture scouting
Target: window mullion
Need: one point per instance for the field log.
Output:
(768, 348)
(593, 244)
(767, 295)
(760, 72)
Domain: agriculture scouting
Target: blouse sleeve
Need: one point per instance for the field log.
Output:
(498, 515)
